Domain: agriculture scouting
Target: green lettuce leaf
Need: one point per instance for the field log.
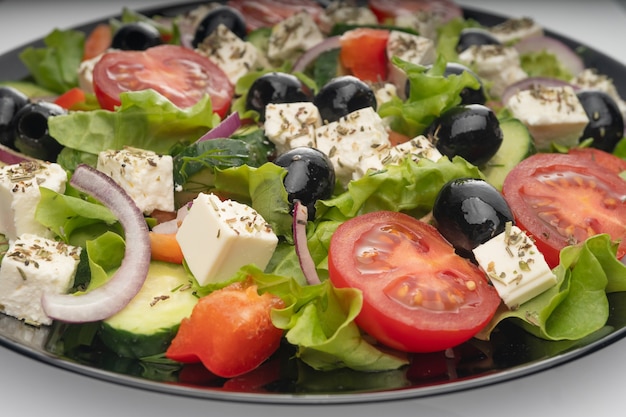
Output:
(544, 64)
(54, 66)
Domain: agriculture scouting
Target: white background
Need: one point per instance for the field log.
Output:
(591, 386)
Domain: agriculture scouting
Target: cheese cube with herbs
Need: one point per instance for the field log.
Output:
(20, 194)
(415, 49)
(516, 29)
(417, 148)
(146, 176)
(424, 22)
(289, 125)
(292, 36)
(499, 65)
(34, 266)
(342, 12)
(233, 55)
(218, 237)
(351, 139)
(592, 80)
(552, 115)
(517, 270)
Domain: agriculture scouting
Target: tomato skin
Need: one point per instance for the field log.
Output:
(387, 10)
(602, 158)
(98, 41)
(230, 331)
(364, 53)
(569, 190)
(180, 74)
(71, 98)
(418, 294)
(267, 13)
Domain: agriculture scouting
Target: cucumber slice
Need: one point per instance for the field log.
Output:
(517, 144)
(147, 325)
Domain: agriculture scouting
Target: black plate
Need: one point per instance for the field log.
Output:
(510, 354)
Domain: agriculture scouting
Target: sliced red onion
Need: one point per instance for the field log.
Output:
(116, 293)
(313, 53)
(224, 129)
(533, 82)
(171, 226)
(300, 218)
(9, 156)
(563, 53)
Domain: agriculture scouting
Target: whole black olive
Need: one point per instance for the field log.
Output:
(343, 95)
(11, 101)
(30, 125)
(275, 87)
(310, 176)
(470, 211)
(224, 15)
(468, 95)
(136, 36)
(471, 131)
(606, 123)
(475, 36)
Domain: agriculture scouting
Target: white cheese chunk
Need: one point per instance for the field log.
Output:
(424, 22)
(218, 237)
(292, 36)
(417, 148)
(415, 49)
(34, 266)
(289, 125)
(517, 270)
(343, 12)
(85, 73)
(233, 55)
(552, 115)
(592, 80)
(19, 195)
(350, 139)
(146, 176)
(516, 29)
(499, 65)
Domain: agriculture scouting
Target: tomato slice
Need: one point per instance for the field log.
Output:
(387, 10)
(180, 74)
(98, 41)
(364, 53)
(230, 331)
(267, 13)
(418, 294)
(603, 158)
(562, 199)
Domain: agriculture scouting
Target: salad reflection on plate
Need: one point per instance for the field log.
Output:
(284, 379)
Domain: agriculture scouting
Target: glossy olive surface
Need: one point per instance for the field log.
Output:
(310, 176)
(469, 212)
(475, 36)
(11, 101)
(606, 123)
(471, 131)
(136, 36)
(221, 15)
(275, 87)
(343, 95)
(30, 125)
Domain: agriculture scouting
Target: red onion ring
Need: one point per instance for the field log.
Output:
(9, 156)
(314, 52)
(300, 218)
(532, 82)
(224, 129)
(564, 53)
(116, 293)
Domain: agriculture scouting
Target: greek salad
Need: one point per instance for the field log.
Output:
(352, 186)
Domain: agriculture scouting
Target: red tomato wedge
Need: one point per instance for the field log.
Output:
(562, 199)
(230, 331)
(70, 98)
(418, 294)
(364, 53)
(180, 74)
(603, 158)
(98, 41)
(387, 10)
(267, 13)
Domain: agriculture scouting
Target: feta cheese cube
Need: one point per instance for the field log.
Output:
(350, 139)
(552, 115)
(499, 65)
(424, 22)
(416, 149)
(592, 80)
(218, 237)
(146, 176)
(342, 12)
(289, 125)
(34, 266)
(517, 270)
(516, 29)
(233, 55)
(293, 36)
(415, 49)
(19, 195)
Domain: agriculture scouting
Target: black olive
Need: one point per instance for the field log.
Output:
(343, 95)
(136, 36)
(475, 36)
(11, 101)
(606, 123)
(221, 15)
(310, 176)
(468, 95)
(275, 87)
(31, 130)
(471, 131)
(468, 212)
